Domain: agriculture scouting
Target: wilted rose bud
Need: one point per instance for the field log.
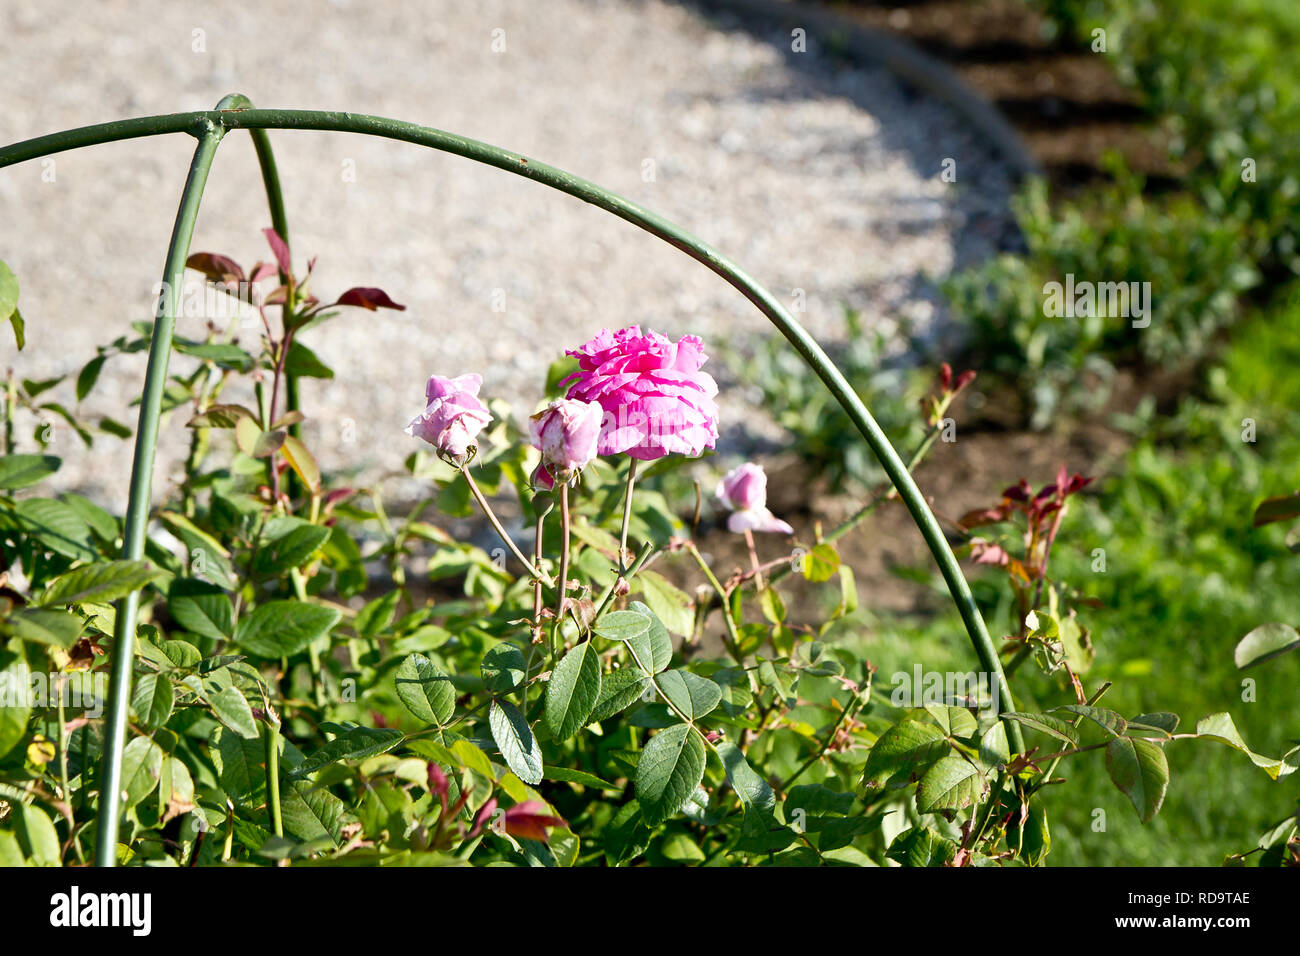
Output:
(566, 433)
(744, 491)
(454, 415)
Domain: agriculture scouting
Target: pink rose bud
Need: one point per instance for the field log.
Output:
(744, 492)
(566, 433)
(454, 415)
(657, 402)
(744, 488)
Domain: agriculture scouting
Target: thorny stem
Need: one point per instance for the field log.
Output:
(733, 637)
(610, 592)
(497, 526)
(848, 712)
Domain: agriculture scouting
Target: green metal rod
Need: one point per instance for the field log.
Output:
(137, 514)
(624, 209)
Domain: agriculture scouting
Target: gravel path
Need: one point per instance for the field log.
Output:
(812, 176)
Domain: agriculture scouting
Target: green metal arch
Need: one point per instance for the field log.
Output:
(236, 112)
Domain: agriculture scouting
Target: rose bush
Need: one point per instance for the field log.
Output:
(322, 679)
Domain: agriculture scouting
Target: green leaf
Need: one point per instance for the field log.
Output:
(58, 527)
(821, 563)
(141, 767)
(754, 792)
(572, 692)
(1139, 769)
(231, 708)
(622, 625)
(954, 721)
(209, 561)
(668, 603)
(503, 668)
(42, 626)
(254, 442)
(921, 846)
(312, 813)
(1108, 720)
(1048, 724)
(240, 763)
(15, 685)
(514, 738)
(101, 583)
(36, 835)
(1264, 643)
(907, 747)
(303, 462)
(1220, 727)
(8, 293)
(201, 608)
(152, 699)
(303, 363)
(1162, 720)
(284, 628)
(357, 744)
(289, 550)
(377, 615)
(653, 648)
(772, 606)
(690, 693)
(567, 775)
(670, 768)
(618, 690)
(426, 691)
(20, 328)
(815, 799)
(88, 376)
(952, 784)
(20, 471)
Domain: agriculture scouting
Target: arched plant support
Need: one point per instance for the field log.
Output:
(236, 112)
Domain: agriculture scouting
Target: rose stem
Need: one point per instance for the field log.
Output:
(563, 584)
(753, 559)
(627, 516)
(537, 584)
(496, 524)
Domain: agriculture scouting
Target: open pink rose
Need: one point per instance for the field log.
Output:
(566, 433)
(657, 402)
(454, 416)
(743, 490)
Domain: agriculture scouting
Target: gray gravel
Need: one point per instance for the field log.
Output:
(814, 177)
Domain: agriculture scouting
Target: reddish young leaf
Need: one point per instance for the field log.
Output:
(280, 249)
(529, 820)
(220, 269)
(982, 516)
(370, 299)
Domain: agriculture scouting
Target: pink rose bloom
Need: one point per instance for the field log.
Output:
(454, 416)
(566, 433)
(743, 490)
(657, 402)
